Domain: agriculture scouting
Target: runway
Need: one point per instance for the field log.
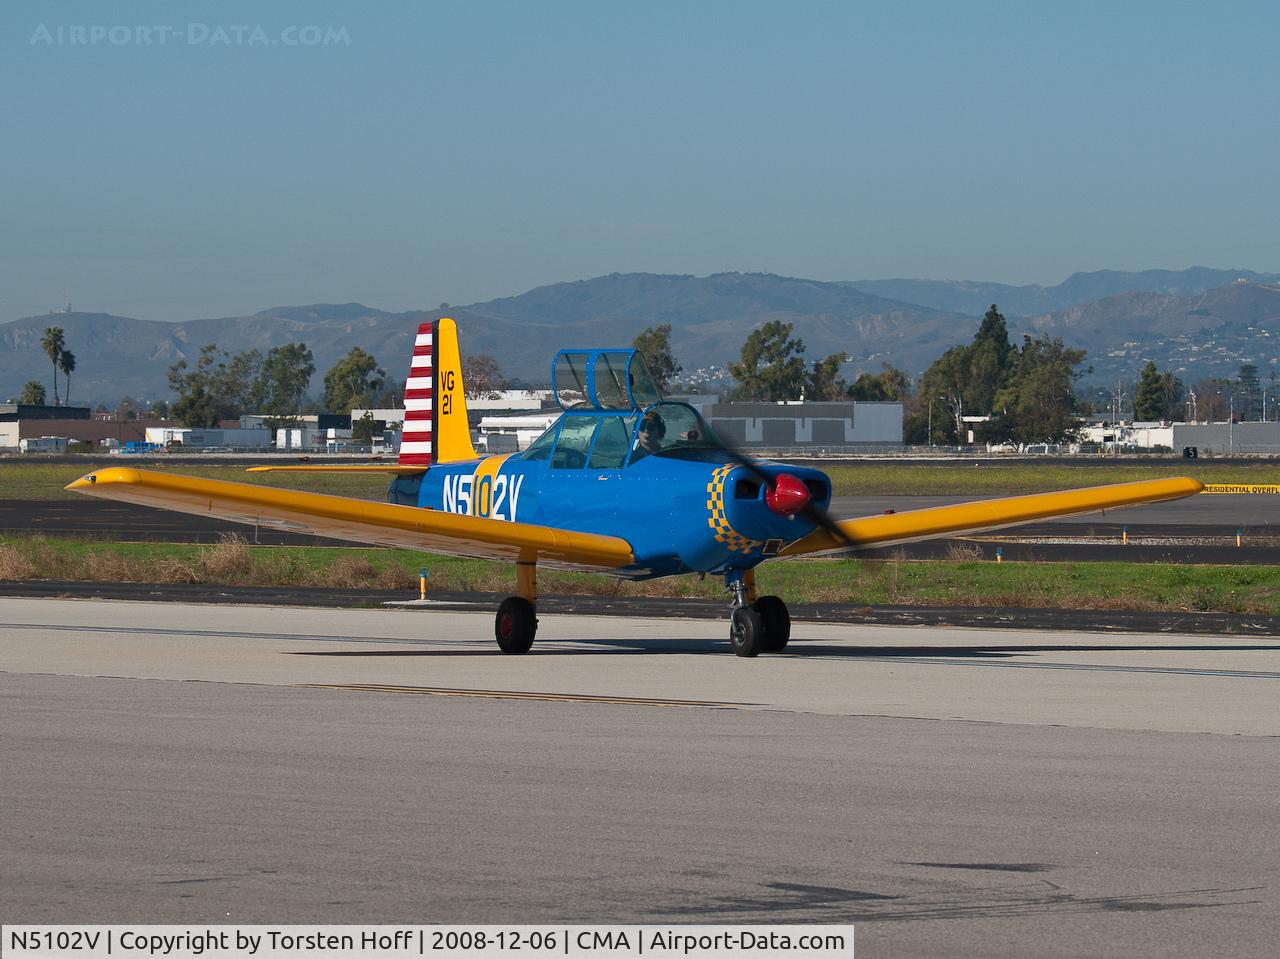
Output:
(952, 791)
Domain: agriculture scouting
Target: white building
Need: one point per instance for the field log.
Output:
(43, 444)
(511, 433)
(1145, 436)
(505, 400)
(512, 400)
(1222, 439)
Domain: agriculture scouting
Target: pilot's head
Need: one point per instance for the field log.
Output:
(652, 430)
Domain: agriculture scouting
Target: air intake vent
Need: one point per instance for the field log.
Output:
(817, 489)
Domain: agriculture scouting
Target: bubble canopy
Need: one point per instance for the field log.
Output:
(602, 380)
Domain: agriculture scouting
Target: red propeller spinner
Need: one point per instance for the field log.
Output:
(788, 495)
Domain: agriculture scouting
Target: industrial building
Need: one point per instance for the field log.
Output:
(20, 421)
(1227, 439)
(840, 426)
(189, 438)
(791, 427)
(1212, 439)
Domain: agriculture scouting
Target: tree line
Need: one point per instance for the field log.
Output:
(222, 385)
(1019, 393)
(1026, 392)
(1215, 399)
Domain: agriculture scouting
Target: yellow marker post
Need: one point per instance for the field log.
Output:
(1124, 536)
(999, 554)
(1238, 540)
(422, 583)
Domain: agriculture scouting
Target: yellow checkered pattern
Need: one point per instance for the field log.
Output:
(734, 541)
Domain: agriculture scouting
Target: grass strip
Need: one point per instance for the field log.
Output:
(45, 481)
(1103, 586)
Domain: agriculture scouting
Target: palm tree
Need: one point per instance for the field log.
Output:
(32, 394)
(67, 363)
(53, 341)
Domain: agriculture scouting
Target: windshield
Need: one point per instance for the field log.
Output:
(675, 430)
(540, 449)
(581, 439)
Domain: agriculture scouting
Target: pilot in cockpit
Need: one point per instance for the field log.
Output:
(650, 435)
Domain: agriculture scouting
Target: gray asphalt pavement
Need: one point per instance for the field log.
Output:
(955, 793)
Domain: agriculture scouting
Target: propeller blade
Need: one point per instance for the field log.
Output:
(819, 517)
(749, 465)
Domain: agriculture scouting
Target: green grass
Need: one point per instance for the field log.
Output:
(45, 481)
(1152, 586)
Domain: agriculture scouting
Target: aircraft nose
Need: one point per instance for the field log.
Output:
(788, 495)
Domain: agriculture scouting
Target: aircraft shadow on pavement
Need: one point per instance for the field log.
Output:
(797, 649)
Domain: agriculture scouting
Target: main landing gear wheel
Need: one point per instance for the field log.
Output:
(746, 632)
(515, 625)
(777, 623)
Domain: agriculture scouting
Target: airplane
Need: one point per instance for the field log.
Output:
(624, 482)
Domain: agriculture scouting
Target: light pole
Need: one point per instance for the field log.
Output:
(931, 399)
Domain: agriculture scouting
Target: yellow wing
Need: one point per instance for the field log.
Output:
(892, 528)
(392, 468)
(343, 517)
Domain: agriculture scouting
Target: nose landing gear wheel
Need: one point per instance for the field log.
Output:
(746, 632)
(515, 625)
(777, 623)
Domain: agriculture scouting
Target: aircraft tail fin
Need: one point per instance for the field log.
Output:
(435, 404)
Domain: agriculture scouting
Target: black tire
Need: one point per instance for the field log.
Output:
(746, 632)
(777, 622)
(515, 625)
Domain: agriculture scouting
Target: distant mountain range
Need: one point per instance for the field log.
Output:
(967, 296)
(1206, 334)
(1198, 321)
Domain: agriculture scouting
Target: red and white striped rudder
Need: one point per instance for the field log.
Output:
(417, 445)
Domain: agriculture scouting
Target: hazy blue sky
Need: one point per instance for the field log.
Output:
(461, 151)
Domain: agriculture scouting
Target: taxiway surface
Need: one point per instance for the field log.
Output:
(952, 791)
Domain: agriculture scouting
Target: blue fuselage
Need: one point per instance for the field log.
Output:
(682, 511)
